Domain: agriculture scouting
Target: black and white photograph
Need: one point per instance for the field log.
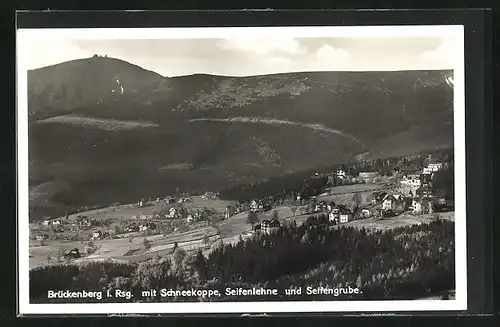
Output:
(241, 170)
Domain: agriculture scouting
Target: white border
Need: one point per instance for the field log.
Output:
(454, 31)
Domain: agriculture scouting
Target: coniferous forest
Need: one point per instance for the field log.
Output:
(403, 263)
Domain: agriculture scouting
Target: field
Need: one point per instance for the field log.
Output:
(130, 246)
(105, 124)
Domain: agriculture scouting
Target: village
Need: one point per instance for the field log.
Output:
(159, 225)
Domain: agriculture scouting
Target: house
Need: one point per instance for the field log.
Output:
(254, 206)
(46, 222)
(409, 169)
(394, 202)
(421, 206)
(247, 234)
(257, 227)
(73, 253)
(411, 180)
(41, 237)
(83, 221)
(189, 218)
(367, 175)
(427, 171)
(341, 174)
(426, 178)
(365, 213)
(172, 213)
(268, 226)
(344, 218)
(184, 200)
(339, 215)
(424, 191)
(96, 235)
(379, 196)
(132, 228)
(230, 211)
(333, 216)
(435, 166)
(169, 200)
(210, 196)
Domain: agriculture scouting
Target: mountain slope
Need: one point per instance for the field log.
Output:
(197, 132)
(82, 82)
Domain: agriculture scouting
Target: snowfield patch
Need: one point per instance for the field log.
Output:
(277, 122)
(100, 123)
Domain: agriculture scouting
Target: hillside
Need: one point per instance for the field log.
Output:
(201, 132)
(62, 87)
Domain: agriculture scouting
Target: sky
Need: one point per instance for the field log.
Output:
(246, 56)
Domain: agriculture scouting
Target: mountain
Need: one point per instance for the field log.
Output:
(62, 87)
(92, 143)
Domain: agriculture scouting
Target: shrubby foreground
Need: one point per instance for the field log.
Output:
(404, 263)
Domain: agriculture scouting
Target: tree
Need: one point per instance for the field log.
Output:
(42, 242)
(206, 240)
(200, 265)
(90, 248)
(179, 256)
(146, 243)
(359, 282)
(275, 214)
(294, 210)
(60, 254)
(213, 220)
(357, 199)
(252, 218)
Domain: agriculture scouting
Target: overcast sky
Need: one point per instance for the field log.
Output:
(255, 56)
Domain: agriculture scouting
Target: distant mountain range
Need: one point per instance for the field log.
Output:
(103, 130)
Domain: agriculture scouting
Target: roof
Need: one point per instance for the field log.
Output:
(397, 197)
(410, 168)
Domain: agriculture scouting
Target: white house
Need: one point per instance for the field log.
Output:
(46, 222)
(427, 171)
(341, 174)
(412, 181)
(435, 166)
(344, 218)
(337, 215)
(366, 213)
(189, 218)
(230, 211)
(332, 216)
(96, 235)
(254, 206)
(393, 202)
(268, 226)
(172, 213)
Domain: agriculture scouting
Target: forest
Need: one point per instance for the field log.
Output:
(403, 263)
(307, 185)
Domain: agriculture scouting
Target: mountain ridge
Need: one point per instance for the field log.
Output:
(223, 131)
